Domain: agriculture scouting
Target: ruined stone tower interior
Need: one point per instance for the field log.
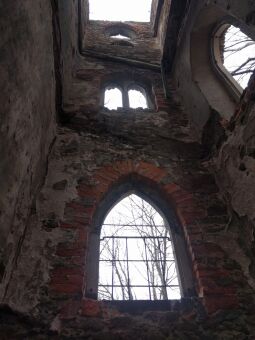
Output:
(70, 153)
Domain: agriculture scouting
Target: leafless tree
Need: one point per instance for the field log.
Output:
(236, 44)
(160, 272)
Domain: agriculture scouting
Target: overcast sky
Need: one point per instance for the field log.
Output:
(120, 10)
(237, 39)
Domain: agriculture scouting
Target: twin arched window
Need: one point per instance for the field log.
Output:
(127, 96)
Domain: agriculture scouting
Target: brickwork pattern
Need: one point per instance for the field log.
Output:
(79, 215)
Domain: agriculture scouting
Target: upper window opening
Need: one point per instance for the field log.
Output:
(120, 10)
(238, 54)
(120, 31)
(137, 99)
(119, 36)
(113, 98)
(137, 258)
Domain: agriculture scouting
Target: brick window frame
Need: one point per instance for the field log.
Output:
(68, 277)
(148, 191)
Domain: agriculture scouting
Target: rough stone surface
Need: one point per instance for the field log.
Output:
(27, 125)
(235, 174)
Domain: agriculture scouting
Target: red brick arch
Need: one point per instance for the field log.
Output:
(68, 280)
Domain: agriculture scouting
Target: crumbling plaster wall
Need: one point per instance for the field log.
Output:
(55, 245)
(206, 96)
(90, 139)
(201, 90)
(27, 96)
(235, 174)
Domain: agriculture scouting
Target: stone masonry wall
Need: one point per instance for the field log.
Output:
(145, 47)
(235, 173)
(88, 157)
(27, 124)
(94, 150)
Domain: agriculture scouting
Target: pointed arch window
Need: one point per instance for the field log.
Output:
(137, 259)
(136, 249)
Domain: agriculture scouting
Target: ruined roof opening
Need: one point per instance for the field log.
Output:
(120, 10)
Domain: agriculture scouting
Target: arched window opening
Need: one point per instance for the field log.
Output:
(234, 54)
(238, 55)
(120, 31)
(126, 94)
(137, 98)
(113, 98)
(137, 258)
(119, 36)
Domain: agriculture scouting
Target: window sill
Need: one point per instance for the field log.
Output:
(141, 306)
(127, 110)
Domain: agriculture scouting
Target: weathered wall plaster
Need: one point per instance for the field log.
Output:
(27, 125)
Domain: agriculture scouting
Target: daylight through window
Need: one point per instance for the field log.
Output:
(137, 99)
(125, 95)
(113, 98)
(120, 10)
(238, 55)
(137, 260)
(119, 36)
